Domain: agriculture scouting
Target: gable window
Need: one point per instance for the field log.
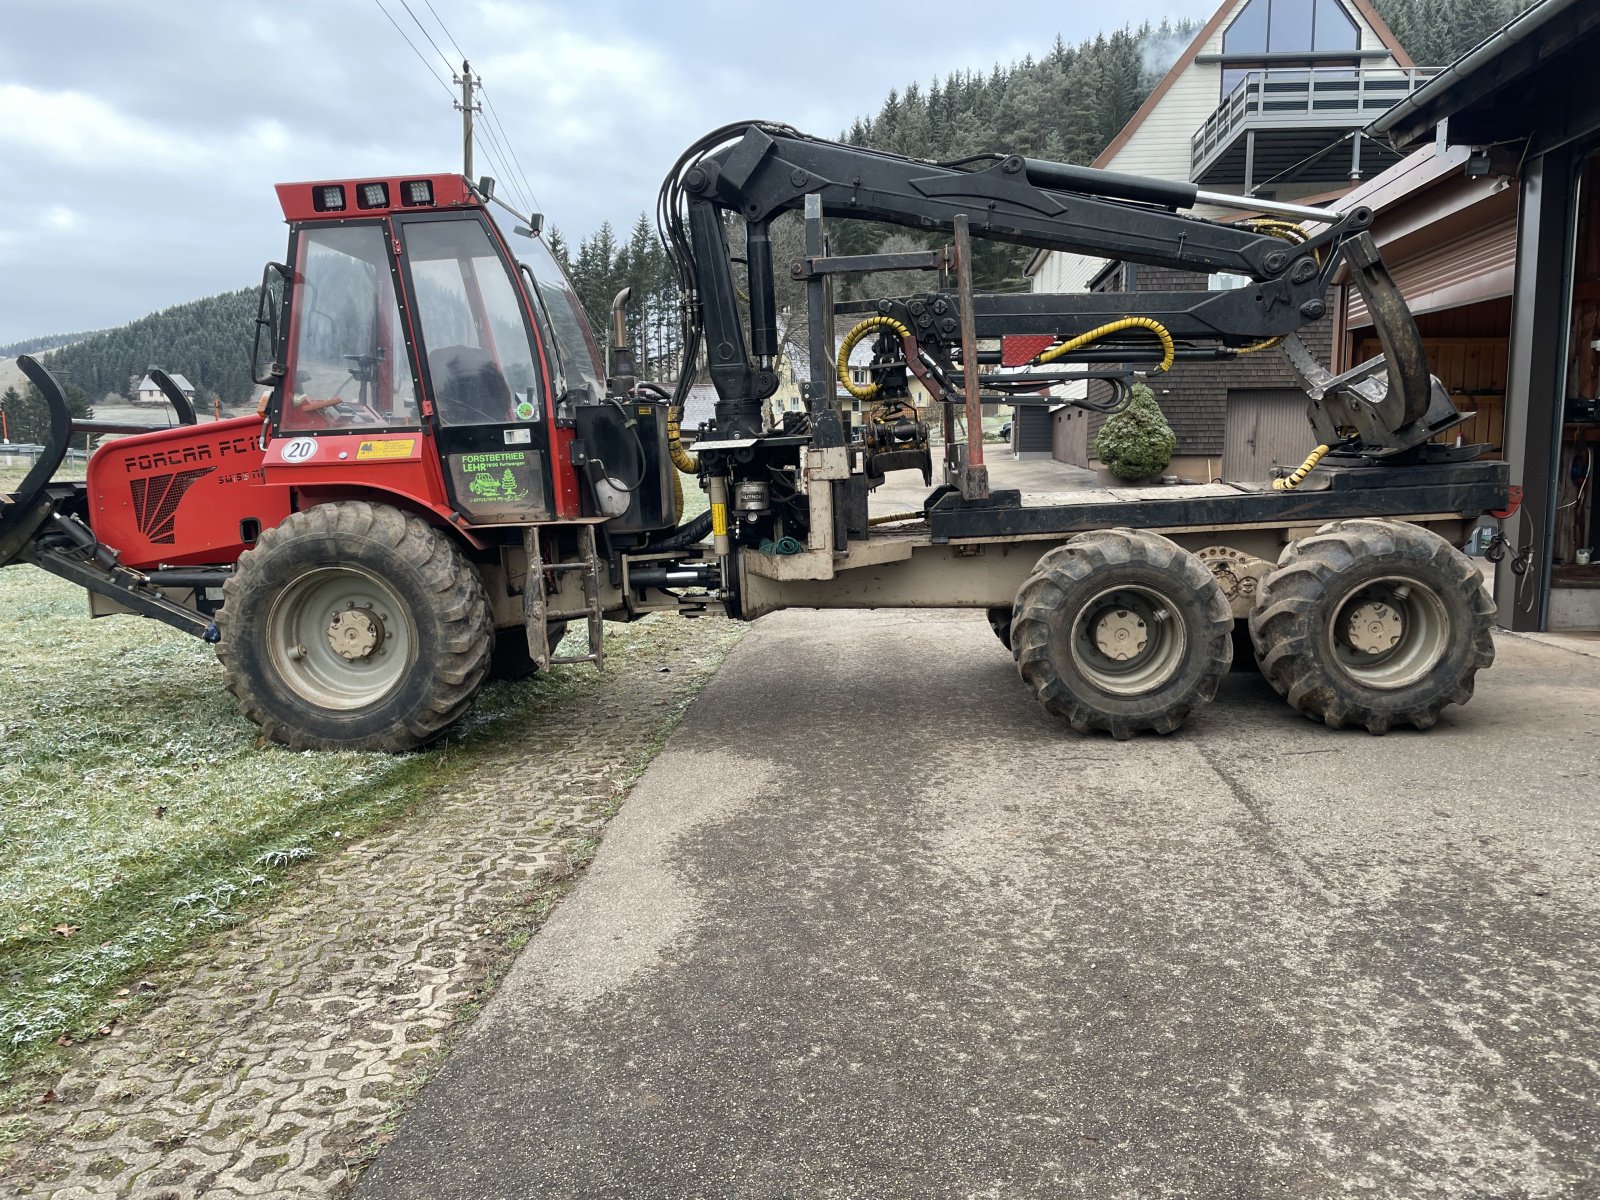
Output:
(1291, 27)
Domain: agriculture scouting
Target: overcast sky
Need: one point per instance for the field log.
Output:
(140, 139)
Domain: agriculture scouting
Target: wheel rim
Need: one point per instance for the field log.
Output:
(1390, 632)
(1128, 640)
(340, 637)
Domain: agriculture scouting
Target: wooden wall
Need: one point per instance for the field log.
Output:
(1474, 369)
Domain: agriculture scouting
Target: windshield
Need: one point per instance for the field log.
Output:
(348, 365)
(479, 349)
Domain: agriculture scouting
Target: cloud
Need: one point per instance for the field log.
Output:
(142, 137)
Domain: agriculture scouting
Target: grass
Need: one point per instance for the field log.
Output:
(139, 809)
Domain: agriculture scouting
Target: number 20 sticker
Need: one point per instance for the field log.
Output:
(300, 449)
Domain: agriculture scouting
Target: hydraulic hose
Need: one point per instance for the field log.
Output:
(1168, 350)
(685, 535)
(891, 518)
(1298, 475)
(864, 391)
(681, 458)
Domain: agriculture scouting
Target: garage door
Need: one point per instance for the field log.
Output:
(1266, 428)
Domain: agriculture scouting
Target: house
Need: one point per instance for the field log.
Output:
(149, 393)
(1269, 100)
(1494, 233)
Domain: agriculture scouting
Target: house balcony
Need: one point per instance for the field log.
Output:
(1299, 125)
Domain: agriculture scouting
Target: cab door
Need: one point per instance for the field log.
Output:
(482, 368)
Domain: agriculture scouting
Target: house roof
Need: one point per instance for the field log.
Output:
(1510, 53)
(1363, 7)
(148, 385)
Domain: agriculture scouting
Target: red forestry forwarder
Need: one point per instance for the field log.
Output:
(443, 475)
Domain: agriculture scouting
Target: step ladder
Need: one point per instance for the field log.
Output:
(536, 611)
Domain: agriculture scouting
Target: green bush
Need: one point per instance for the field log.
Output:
(1137, 441)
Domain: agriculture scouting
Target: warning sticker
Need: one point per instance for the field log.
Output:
(388, 448)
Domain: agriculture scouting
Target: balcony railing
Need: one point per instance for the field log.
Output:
(1302, 98)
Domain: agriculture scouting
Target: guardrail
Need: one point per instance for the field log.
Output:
(1287, 97)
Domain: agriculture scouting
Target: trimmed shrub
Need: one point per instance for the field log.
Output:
(1137, 441)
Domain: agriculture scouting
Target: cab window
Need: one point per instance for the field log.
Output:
(349, 367)
(479, 351)
(580, 355)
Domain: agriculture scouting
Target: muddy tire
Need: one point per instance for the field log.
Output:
(1000, 622)
(1123, 631)
(354, 626)
(510, 660)
(1373, 623)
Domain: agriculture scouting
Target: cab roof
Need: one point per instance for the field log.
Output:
(341, 199)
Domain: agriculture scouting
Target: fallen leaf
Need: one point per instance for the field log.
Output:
(63, 1041)
(49, 1097)
(64, 929)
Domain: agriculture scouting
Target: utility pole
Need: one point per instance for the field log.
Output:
(466, 107)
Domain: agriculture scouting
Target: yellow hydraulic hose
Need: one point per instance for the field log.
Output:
(1298, 475)
(681, 458)
(1169, 351)
(891, 518)
(864, 391)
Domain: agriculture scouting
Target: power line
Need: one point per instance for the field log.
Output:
(491, 151)
(426, 64)
(428, 35)
(498, 150)
(494, 115)
(445, 29)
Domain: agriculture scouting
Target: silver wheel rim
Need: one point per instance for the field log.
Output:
(340, 637)
(1128, 641)
(1389, 633)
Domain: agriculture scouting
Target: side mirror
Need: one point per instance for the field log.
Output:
(269, 307)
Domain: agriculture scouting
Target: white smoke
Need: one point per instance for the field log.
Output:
(1159, 50)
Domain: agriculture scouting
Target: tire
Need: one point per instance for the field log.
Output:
(354, 626)
(1106, 591)
(1373, 623)
(510, 660)
(1000, 622)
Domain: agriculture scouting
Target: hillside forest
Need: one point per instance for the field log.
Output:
(1065, 104)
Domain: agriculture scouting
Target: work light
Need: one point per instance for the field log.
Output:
(416, 192)
(373, 195)
(329, 198)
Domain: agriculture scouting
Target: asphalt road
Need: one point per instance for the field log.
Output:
(873, 925)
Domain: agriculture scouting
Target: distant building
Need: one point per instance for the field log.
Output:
(149, 393)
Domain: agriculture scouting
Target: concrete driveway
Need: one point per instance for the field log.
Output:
(873, 925)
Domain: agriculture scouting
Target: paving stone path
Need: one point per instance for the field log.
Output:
(283, 1048)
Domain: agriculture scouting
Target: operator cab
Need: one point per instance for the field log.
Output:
(404, 310)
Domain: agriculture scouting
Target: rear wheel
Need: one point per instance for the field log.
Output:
(354, 626)
(1122, 630)
(1374, 623)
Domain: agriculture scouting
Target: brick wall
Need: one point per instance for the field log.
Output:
(1194, 396)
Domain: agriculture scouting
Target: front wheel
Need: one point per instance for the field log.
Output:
(1374, 623)
(354, 626)
(1122, 630)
